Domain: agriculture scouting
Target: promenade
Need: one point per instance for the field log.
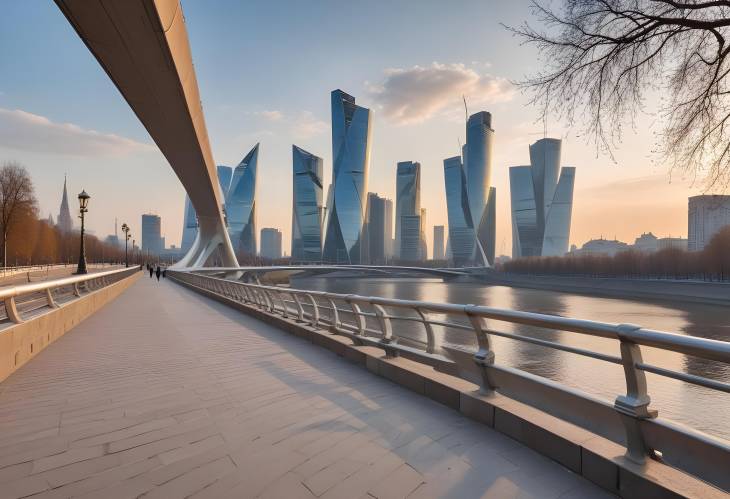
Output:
(165, 393)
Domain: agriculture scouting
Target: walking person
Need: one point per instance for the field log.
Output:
(157, 273)
(151, 270)
(164, 273)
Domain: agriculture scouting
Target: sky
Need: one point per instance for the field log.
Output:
(266, 70)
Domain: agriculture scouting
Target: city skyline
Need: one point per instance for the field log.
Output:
(88, 144)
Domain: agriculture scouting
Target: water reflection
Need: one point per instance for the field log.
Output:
(696, 406)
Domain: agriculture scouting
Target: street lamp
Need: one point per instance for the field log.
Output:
(125, 229)
(83, 203)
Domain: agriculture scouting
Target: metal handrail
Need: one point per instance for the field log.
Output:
(632, 407)
(90, 282)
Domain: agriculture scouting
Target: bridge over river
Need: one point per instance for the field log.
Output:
(179, 389)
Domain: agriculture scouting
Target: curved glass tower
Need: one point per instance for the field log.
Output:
(241, 204)
(461, 231)
(542, 202)
(407, 203)
(351, 160)
(306, 243)
(190, 222)
(478, 173)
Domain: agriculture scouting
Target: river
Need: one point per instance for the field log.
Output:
(701, 408)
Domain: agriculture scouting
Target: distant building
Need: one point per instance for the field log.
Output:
(65, 222)
(270, 243)
(707, 215)
(410, 241)
(647, 243)
(470, 198)
(673, 243)
(438, 243)
(602, 246)
(424, 245)
(542, 202)
(307, 212)
(407, 199)
(152, 242)
(379, 229)
(241, 204)
(346, 198)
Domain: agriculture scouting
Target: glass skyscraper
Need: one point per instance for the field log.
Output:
(407, 201)
(241, 204)
(470, 198)
(541, 202)
(306, 243)
(379, 229)
(346, 198)
(238, 188)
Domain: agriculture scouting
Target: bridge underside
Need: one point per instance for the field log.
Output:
(143, 46)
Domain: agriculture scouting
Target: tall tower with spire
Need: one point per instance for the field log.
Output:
(65, 224)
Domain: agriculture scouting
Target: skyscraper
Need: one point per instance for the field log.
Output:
(410, 238)
(241, 204)
(470, 198)
(423, 246)
(379, 228)
(151, 234)
(542, 201)
(707, 214)
(438, 243)
(271, 243)
(65, 222)
(238, 188)
(407, 199)
(307, 212)
(462, 238)
(351, 161)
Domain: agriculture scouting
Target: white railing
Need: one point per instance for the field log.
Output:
(369, 320)
(26, 299)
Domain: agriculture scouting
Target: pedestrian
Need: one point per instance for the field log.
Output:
(164, 273)
(158, 273)
(151, 270)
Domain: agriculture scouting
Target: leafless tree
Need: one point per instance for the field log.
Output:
(604, 60)
(17, 200)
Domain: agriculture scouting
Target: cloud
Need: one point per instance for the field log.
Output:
(413, 95)
(33, 133)
(272, 115)
(306, 125)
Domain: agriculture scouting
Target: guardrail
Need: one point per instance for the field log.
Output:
(629, 420)
(26, 299)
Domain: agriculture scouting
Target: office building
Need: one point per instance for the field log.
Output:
(410, 239)
(307, 212)
(152, 242)
(707, 215)
(238, 191)
(470, 198)
(407, 198)
(438, 243)
(347, 194)
(541, 202)
(241, 204)
(423, 247)
(270, 243)
(379, 229)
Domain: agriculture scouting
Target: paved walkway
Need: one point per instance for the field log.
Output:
(164, 393)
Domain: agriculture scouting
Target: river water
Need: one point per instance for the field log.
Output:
(701, 408)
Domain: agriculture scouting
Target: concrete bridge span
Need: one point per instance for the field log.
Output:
(143, 46)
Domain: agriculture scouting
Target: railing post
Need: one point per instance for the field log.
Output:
(386, 328)
(335, 316)
(12, 311)
(49, 299)
(359, 318)
(269, 301)
(634, 406)
(430, 337)
(300, 309)
(315, 311)
(484, 358)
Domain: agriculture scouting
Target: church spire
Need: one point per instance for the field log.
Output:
(65, 223)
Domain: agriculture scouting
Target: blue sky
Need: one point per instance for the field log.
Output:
(265, 71)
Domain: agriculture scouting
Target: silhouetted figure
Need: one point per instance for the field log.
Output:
(151, 271)
(158, 272)
(164, 273)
